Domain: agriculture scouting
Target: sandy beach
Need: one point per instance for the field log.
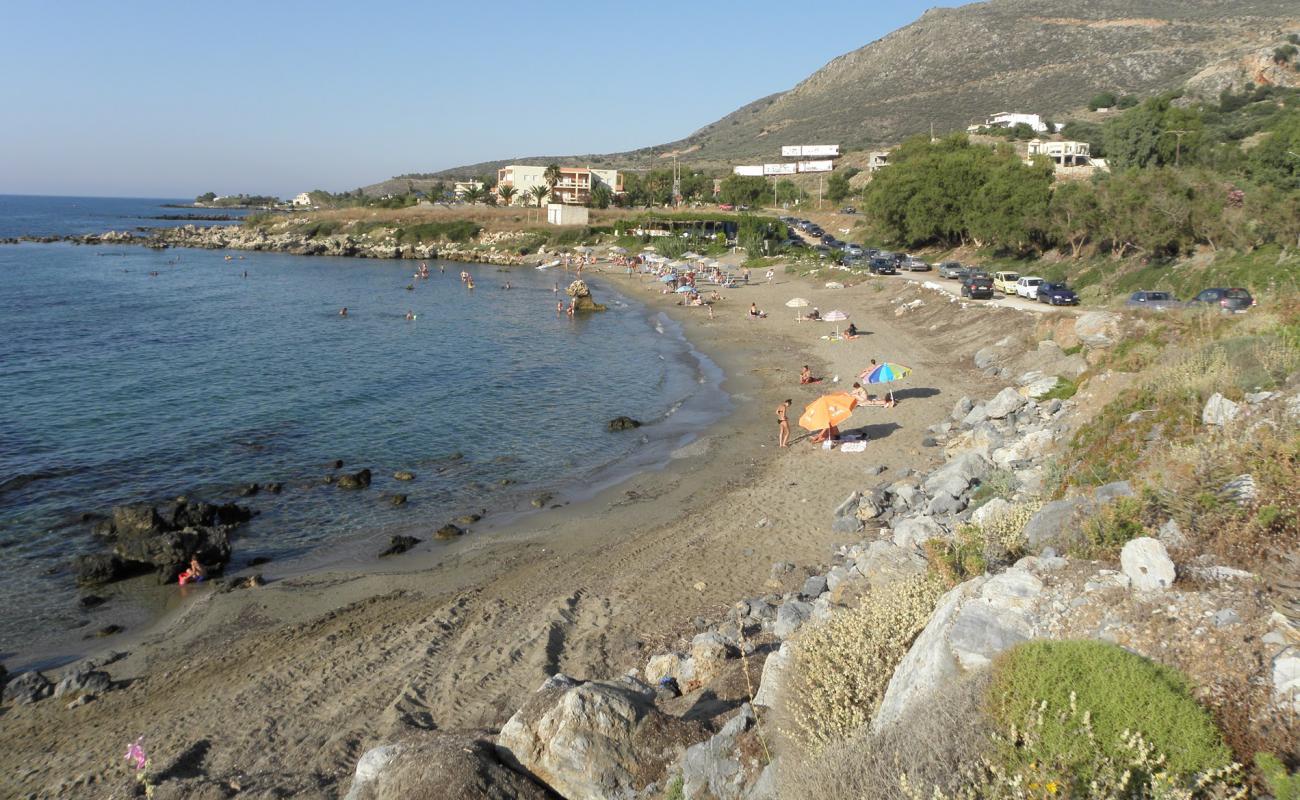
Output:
(283, 687)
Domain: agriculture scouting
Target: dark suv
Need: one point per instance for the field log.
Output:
(978, 286)
(1238, 300)
(1057, 294)
(882, 266)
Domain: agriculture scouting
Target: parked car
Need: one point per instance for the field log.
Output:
(1027, 286)
(916, 265)
(1005, 282)
(882, 266)
(951, 269)
(815, 230)
(978, 286)
(794, 241)
(873, 252)
(854, 249)
(1155, 301)
(1057, 294)
(823, 251)
(1238, 300)
(827, 238)
(848, 210)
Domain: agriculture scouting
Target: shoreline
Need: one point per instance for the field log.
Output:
(458, 638)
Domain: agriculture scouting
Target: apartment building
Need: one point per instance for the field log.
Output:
(574, 186)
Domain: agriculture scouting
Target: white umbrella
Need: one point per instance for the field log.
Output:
(582, 249)
(796, 302)
(690, 254)
(835, 316)
(620, 251)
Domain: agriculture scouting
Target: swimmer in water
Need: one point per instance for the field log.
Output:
(469, 283)
(343, 312)
(409, 315)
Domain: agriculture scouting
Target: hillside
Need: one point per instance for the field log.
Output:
(953, 66)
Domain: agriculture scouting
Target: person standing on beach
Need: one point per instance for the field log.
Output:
(771, 273)
(783, 423)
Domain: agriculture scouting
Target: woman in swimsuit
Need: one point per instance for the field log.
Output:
(783, 424)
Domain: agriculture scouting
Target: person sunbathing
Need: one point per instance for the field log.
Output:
(806, 376)
(755, 313)
(829, 434)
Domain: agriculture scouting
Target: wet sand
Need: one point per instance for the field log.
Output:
(287, 685)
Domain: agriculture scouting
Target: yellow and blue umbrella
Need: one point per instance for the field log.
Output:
(884, 373)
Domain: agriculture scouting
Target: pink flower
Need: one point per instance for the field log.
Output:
(136, 753)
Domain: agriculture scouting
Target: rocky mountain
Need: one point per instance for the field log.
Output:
(952, 67)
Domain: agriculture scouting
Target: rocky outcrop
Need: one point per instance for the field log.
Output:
(594, 740)
(720, 768)
(435, 765)
(29, 687)
(144, 540)
(582, 299)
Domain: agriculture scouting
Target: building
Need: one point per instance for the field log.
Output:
(301, 199)
(459, 188)
(1010, 119)
(1063, 154)
(561, 214)
(574, 186)
(877, 159)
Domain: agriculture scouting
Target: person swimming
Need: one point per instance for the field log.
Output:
(343, 312)
(410, 315)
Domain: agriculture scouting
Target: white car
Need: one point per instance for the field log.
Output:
(1027, 287)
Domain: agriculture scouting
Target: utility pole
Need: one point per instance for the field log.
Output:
(677, 183)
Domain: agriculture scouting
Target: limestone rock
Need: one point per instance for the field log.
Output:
(593, 741)
(27, 688)
(1097, 329)
(772, 681)
(1219, 410)
(990, 511)
(1147, 564)
(884, 564)
(915, 531)
(715, 768)
(357, 480)
(789, 617)
(433, 765)
(1041, 386)
(709, 652)
(1006, 402)
(83, 681)
(1286, 677)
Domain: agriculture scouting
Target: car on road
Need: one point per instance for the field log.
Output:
(823, 251)
(1228, 300)
(1005, 282)
(882, 266)
(827, 238)
(951, 269)
(854, 249)
(916, 265)
(978, 286)
(1154, 301)
(1057, 294)
(848, 210)
(815, 230)
(1027, 286)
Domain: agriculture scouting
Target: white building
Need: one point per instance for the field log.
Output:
(877, 159)
(1063, 154)
(574, 186)
(561, 214)
(1010, 119)
(459, 188)
(301, 199)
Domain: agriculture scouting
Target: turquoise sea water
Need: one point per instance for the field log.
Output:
(129, 374)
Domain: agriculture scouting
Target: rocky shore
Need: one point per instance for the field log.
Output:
(241, 237)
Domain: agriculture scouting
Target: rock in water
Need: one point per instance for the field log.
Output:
(398, 545)
(449, 531)
(357, 480)
(582, 300)
(99, 568)
(623, 424)
(403, 475)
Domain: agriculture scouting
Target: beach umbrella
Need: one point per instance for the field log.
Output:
(618, 251)
(677, 264)
(884, 373)
(583, 249)
(827, 410)
(835, 316)
(796, 302)
(690, 254)
(685, 289)
(668, 279)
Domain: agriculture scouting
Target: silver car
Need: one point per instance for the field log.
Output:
(952, 269)
(1153, 301)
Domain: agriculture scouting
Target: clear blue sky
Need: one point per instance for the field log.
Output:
(170, 99)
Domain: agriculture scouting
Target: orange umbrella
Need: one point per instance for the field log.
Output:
(827, 410)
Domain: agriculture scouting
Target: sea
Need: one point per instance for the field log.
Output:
(129, 374)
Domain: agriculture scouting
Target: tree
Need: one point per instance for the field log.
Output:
(206, 197)
(742, 189)
(1074, 214)
(472, 195)
(1274, 161)
(506, 193)
(837, 187)
(551, 175)
(1154, 134)
(787, 191)
(601, 196)
(539, 194)
(1102, 100)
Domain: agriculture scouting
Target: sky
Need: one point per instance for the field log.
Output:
(172, 99)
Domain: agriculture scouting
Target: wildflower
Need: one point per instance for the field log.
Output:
(136, 753)
(1052, 786)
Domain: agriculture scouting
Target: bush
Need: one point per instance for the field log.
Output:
(1118, 522)
(976, 549)
(1120, 694)
(841, 667)
(937, 742)
(998, 483)
(1064, 390)
(1282, 785)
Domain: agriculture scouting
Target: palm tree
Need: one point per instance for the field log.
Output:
(539, 194)
(506, 193)
(472, 195)
(552, 176)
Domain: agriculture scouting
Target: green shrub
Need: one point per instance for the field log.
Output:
(1064, 390)
(998, 483)
(1118, 522)
(1282, 784)
(976, 549)
(1121, 693)
(676, 789)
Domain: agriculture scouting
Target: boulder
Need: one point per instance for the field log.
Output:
(884, 564)
(595, 740)
(137, 519)
(403, 475)
(1036, 389)
(913, 532)
(398, 545)
(623, 424)
(956, 476)
(1054, 525)
(772, 681)
(990, 511)
(789, 617)
(1219, 410)
(845, 517)
(716, 768)
(668, 665)
(1286, 678)
(975, 416)
(961, 408)
(83, 681)
(1097, 329)
(170, 551)
(449, 531)
(356, 480)
(1032, 446)
(433, 765)
(1006, 402)
(813, 586)
(1147, 564)
(709, 653)
(27, 688)
(99, 568)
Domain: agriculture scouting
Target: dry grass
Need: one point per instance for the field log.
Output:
(841, 667)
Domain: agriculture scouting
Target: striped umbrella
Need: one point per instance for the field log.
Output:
(836, 316)
(884, 373)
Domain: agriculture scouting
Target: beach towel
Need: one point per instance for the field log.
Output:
(853, 447)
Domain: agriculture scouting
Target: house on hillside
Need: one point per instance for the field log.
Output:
(301, 199)
(877, 159)
(1071, 159)
(573, 188)
(1010, 119)
(459, 188)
